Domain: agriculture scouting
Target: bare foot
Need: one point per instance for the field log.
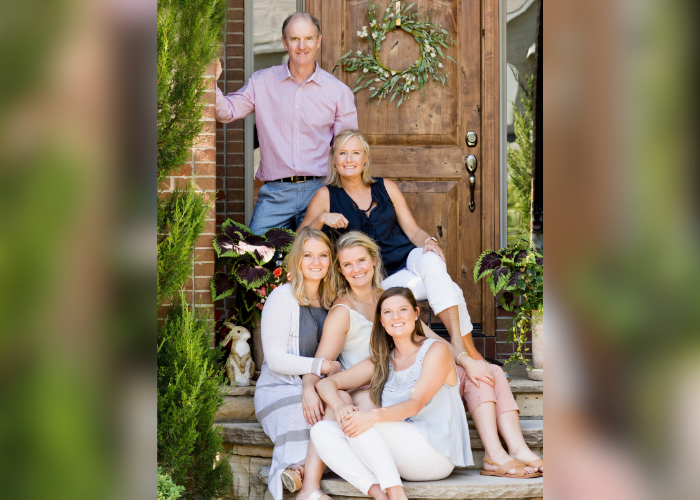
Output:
(502, 457)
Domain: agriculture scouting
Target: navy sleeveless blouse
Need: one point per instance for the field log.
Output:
(381, 224)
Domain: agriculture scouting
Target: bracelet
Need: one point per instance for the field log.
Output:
(330, 367)
(430, 238)
(465, 353)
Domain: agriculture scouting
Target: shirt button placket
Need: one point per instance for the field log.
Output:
(295, 152)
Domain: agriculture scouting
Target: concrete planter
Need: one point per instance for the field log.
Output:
(537, 373)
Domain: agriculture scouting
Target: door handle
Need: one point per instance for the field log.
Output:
(470, 164)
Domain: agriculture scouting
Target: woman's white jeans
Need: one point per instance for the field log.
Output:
(426, 276)
(381, 455)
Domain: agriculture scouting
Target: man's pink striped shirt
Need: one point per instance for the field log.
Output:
(296, 123)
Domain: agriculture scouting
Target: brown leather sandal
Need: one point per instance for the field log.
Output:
(291, 479)
(536, 464)
(504, 468)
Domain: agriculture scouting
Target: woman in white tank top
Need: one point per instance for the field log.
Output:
(420, 432)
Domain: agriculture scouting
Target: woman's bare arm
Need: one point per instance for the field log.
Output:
(437, 369)
(335, 330)
(318, 214)
(352, 378)
(404, 216)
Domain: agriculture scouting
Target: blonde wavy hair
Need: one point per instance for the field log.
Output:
(333, 177)
(381, 343)
(359, 239)
(327, 289)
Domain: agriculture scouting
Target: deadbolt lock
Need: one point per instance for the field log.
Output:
(471, 139)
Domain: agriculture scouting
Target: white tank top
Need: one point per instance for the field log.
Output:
(356, 347)
(442, 421)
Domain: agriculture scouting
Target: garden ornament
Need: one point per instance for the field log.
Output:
(239, 365)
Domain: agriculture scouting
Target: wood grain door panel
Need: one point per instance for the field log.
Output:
(421, 144)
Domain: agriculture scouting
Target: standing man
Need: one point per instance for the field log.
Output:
(299, 108)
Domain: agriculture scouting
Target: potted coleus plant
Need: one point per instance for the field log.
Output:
(516, 271)
(254, 268)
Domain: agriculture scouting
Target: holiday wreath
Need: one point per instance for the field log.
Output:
(386, 80)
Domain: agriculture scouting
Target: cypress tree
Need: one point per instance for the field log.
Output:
(188, 398)
(189, 34)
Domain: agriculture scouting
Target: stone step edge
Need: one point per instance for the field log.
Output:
(461, 484)
(252, 434)
(517, 386)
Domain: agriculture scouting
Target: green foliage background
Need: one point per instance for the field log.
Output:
(520, 166)
(189, 37)
(188, 398)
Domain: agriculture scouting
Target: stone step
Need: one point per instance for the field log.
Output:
(238, 405)
(461, 484)
(248, 438)
(238, 401)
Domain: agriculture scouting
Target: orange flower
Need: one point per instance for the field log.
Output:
(278, 272)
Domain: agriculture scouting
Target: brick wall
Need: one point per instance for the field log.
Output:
(229, 136)
(201, 167)
(504, 322)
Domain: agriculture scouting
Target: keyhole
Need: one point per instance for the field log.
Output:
(439, 230)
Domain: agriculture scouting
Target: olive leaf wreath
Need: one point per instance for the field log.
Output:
(429, 65)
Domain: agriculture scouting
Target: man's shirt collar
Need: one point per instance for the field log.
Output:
(284, 74)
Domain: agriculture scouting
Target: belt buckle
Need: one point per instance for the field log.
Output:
(298, 177)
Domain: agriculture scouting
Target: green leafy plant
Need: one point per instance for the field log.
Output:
(429, 65)
(189, 377)
(189, 38)
(255, 264)
(167, 490)
(181, 216)
(516, 272)
(520, 157)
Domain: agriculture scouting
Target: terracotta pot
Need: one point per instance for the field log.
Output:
(537, 373)
(258, 356)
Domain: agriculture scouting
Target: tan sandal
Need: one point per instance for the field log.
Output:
(504, 468)
(536, 464)
(291, 479)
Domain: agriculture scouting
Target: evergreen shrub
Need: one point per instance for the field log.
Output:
(189, 37)
(188, 398)
(181, 217)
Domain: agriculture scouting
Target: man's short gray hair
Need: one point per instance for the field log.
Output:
(296, 15)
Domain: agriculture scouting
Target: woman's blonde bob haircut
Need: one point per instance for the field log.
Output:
(327, 288)
(359, 239)
(333, 177)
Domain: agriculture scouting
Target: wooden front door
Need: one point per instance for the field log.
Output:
(421, 144)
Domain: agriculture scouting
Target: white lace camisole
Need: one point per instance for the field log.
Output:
(441, 421)
(356, 347)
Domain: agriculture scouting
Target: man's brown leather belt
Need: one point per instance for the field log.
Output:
(297, 178)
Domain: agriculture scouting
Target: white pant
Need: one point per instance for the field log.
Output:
(426, 276)
(382, 455)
